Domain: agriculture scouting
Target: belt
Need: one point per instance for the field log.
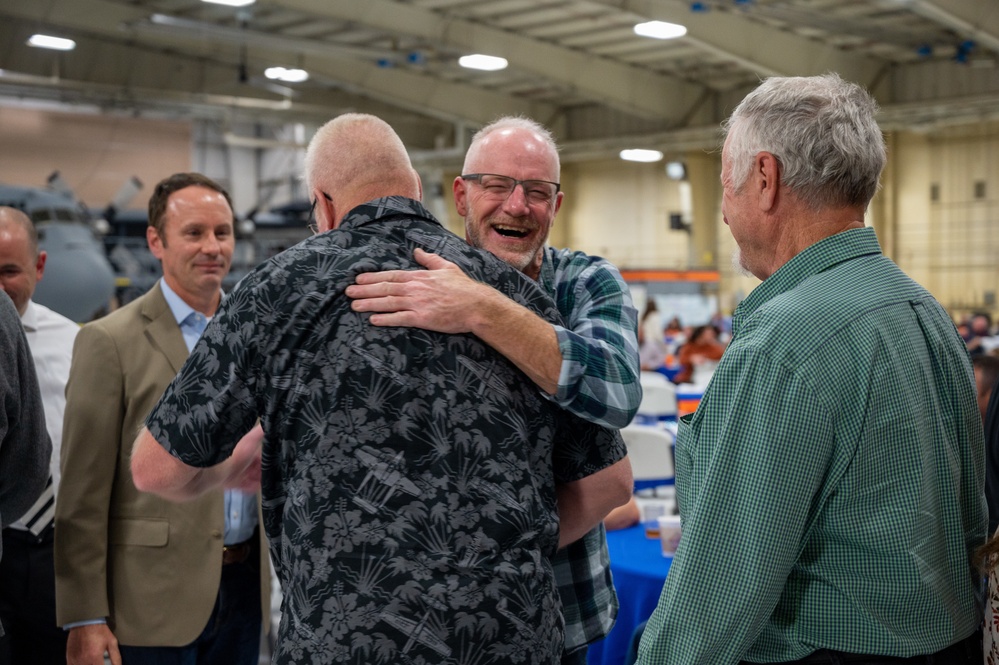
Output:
(25, 536)
(237, 553)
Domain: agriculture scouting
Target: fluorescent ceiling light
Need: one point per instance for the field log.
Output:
(641, 155)
(488, 63)
(286, 75)
(48, 41)
(231, 3)
(660, 30)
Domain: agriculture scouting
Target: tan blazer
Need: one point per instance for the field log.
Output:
(150, 565)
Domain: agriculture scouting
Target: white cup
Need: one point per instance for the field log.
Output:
(669, 533)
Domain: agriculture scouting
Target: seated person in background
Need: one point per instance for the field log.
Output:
(700, 356)
(674, 331)
(980, 339)
(651, 340)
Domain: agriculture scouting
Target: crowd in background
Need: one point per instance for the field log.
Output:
(684, 354)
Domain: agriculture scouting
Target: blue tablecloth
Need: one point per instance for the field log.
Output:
(639, 570)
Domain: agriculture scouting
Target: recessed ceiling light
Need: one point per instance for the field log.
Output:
(676, 170)
(488, 63)
(641, 155)
(231, 3)
(286, 75)
(660, 30)
(48, 41)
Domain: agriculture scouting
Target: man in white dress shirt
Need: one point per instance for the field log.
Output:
(27, 577)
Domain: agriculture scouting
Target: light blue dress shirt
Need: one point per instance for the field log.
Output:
(240, 507)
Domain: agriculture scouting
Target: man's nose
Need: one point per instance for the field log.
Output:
(516, 202)
(211, 244)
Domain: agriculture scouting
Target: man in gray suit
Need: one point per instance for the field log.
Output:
(159, 582)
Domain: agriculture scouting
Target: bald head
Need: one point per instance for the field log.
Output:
(11, 218)
(355, 158)
(530, 137)
(21, 264)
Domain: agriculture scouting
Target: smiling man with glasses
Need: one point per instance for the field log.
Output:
(502, 186)
(509, 195)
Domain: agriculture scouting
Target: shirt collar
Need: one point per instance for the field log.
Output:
(814, 259)
(546, 278)
(388, 206)
(29, 320)
(180, 309)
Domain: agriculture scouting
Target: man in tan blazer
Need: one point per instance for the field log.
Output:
(135, 574)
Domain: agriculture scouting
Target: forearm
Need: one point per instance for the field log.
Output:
(597, 376)
(521, 336)
(155, 470)
(584, 503)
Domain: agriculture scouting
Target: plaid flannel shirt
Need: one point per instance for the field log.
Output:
(599, 381)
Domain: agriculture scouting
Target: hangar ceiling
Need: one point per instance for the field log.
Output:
(576, 65)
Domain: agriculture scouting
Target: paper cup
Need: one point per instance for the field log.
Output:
(669, 533)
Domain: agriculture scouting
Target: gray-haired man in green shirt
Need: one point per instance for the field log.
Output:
(831, 480)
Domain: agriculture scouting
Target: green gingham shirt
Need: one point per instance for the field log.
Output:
(599, 382)
(831, 480)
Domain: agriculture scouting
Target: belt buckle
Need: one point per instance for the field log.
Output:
(237, 553)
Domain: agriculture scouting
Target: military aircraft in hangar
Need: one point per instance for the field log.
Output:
(79, 281)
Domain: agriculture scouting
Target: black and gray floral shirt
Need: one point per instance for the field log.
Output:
(408, 476)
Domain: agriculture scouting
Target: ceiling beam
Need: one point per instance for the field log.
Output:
(352, 68)
(974, 19)
(414, 92)
(623, 87)
(764, 50)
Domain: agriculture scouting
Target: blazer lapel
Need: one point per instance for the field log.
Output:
(162, 330)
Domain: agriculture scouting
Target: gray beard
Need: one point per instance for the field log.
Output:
(738, 265)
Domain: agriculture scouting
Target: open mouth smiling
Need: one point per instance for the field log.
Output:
(511, 232)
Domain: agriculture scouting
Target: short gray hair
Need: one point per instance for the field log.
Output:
(822, 131)
(361, 151)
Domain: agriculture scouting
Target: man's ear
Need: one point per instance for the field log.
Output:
(155, 242)
(766, 175)
(325, 210)
(40, 265)
(460, 190)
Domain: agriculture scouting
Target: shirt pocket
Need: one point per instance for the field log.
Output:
(140, 532)
(687, 435)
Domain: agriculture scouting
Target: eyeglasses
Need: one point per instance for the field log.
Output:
(313, 226)
(502, 186)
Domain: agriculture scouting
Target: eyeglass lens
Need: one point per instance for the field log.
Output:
(535, 191)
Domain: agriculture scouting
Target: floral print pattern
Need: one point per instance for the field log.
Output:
(408, 476)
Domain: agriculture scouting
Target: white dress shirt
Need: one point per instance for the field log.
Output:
(50, 337)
